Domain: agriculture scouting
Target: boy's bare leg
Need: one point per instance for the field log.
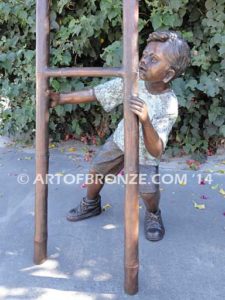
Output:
(94, 188)
(151, 201)
(153, 224)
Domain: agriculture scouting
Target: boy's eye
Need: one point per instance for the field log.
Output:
(153, 60)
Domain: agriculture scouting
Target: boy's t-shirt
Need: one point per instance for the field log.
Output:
(162, 110)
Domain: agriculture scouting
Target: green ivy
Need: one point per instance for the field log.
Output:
(88, 33)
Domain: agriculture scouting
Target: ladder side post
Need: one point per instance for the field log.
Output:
(131, 207)
(42, 138)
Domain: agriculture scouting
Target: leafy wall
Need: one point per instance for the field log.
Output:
(88, 33)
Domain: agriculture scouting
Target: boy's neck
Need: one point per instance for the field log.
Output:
(157, 87)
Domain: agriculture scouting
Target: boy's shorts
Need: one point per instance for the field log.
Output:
(110, 160)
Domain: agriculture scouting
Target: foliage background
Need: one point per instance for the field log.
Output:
(88, 33)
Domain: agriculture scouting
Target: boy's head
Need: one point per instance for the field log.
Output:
(165, 57)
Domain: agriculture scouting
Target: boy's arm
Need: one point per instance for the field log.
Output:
(85, 96)
(153, 142)
(108, 94)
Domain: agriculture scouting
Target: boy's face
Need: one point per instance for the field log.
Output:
(154, 65)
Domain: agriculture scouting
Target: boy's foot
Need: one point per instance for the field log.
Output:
(86, 209)
(153, 226)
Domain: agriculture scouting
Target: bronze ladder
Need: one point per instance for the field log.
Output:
(129, 73)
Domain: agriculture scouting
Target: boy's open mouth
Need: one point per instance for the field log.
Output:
(142, 69)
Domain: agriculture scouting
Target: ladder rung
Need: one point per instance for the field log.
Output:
(84, 72)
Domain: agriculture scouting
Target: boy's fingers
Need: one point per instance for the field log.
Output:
(139, 104)
(137, 113)
(137, 100)
(133, 106)
(136, 103)
(134, 111)
(50, 92)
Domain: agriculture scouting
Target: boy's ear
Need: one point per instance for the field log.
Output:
(170, 74)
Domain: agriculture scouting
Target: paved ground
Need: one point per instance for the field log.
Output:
(85, 259)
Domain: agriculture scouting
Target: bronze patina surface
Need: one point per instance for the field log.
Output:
(129, 72)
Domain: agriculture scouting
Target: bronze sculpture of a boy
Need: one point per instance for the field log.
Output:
(165, 58)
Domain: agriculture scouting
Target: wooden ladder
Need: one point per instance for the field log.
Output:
(129, 73)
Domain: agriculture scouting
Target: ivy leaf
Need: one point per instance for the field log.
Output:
(156, 21)
(209, 4)
(222, 130)
(61, 4)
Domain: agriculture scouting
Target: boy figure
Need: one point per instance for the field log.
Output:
(165, 57)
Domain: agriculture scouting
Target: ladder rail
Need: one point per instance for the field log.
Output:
(129, 73)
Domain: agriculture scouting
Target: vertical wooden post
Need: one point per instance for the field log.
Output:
(42, 118)
(130, 75)
(130, 62)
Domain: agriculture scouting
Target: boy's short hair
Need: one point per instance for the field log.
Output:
(179, 56)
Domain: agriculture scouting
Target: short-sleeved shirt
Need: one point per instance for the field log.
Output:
(162, 110)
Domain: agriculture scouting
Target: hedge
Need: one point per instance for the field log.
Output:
(88, 33)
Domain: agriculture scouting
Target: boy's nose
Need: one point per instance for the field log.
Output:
(142, 62)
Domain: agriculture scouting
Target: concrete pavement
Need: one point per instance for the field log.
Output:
(85, 259)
